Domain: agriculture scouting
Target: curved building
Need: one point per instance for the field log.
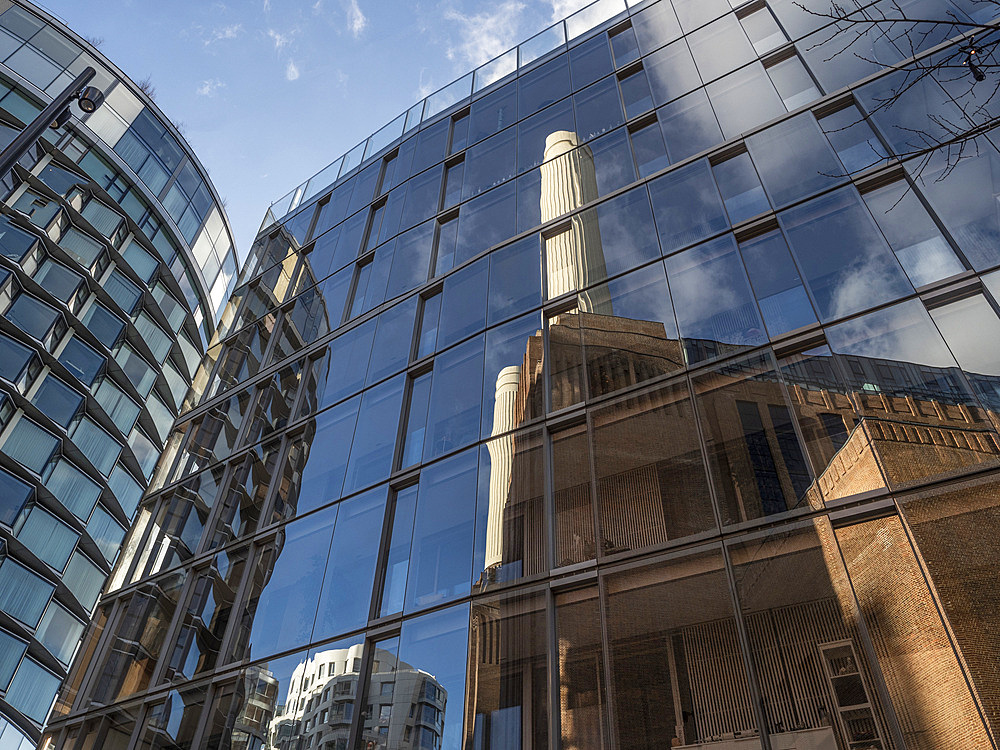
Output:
(115, 257)
(639, 390)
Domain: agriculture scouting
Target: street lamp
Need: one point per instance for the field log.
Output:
(55, 115)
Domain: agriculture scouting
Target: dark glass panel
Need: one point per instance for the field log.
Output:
(459, 133)
(411, 259)
(430, 314)
(207, 616)
(393, 340)
(397, 556)
(783, 301)
(678, 676)
(137, 641)
(455, 399)
(536, 134)
(741, 190)
(695, 13)
(485, 221)
(515, 279)
(651, 481)
(416, 421)
(845, 261)
(649, 149)
(598, 109)
(624, 46)
(462, 310)
(757, 466)
(432, 659)
(325, 446)
(853, 139)
(687, 206)
(542, 86)
(493, 113)
(364, 186)
(454, 176)
(488, 164)
(447, 245)
(590, 61)
(794, 159)
(340, 371)
(714, 305)
(284, 608)
(612, 161)
(635, 93)
(375, 435)
(423, 194)
(567, 381)
(431, 145)
(440, 566)
(346, 596)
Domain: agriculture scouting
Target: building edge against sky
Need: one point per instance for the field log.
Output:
(115, 258)
(610, 408)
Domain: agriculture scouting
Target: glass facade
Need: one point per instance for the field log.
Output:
(628, 393)
(106, 304)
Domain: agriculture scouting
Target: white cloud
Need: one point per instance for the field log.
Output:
(485, 35)
(317, 6)
(356, 20)
(562, 8)
(291, 71)
(267, 6)
(210, 87)
(225, 32)
(424, 88)
(342, 79)
(280, 40)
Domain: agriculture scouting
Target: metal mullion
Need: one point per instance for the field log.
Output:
(612, 738)
(554, 724)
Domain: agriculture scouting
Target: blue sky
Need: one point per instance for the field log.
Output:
(268, 92)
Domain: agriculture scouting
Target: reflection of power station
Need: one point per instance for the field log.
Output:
(574, 257)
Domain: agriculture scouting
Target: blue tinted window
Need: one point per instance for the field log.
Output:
(81, 360)
(456, 393)
(687, 206)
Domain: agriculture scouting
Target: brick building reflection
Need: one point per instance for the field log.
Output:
(833, 654)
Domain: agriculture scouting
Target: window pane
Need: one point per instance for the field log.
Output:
(794, 159)
(965, 325)
(689, 126)
(542, 86)
(30, 445)
(574, 512)
(411, 260)
(13, 495)
(741, 190)
(720, 47)
(846, 263)
(582, 698)
(515, 279)
(509, 673)
(443, 532)
(463, 311)
(435, 648)
(350, 571)
(393, 340)
(487, 220)
(493, 113)
(775, 279)
(23, 594)
(511, 349)
(917, 242)
(745, 99)
(286, 607)
(46, 536)
(32, 316)
(670, 625)
(590, 61)
(488, 164)
(652, 490)
(671, 72)
(687, 206)
(714, 305)
(58, 401)
(757, 465)
(33, 690)
(853, 139)
(455, 399)
(598, 109)
(510, 525)
(375, 435)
